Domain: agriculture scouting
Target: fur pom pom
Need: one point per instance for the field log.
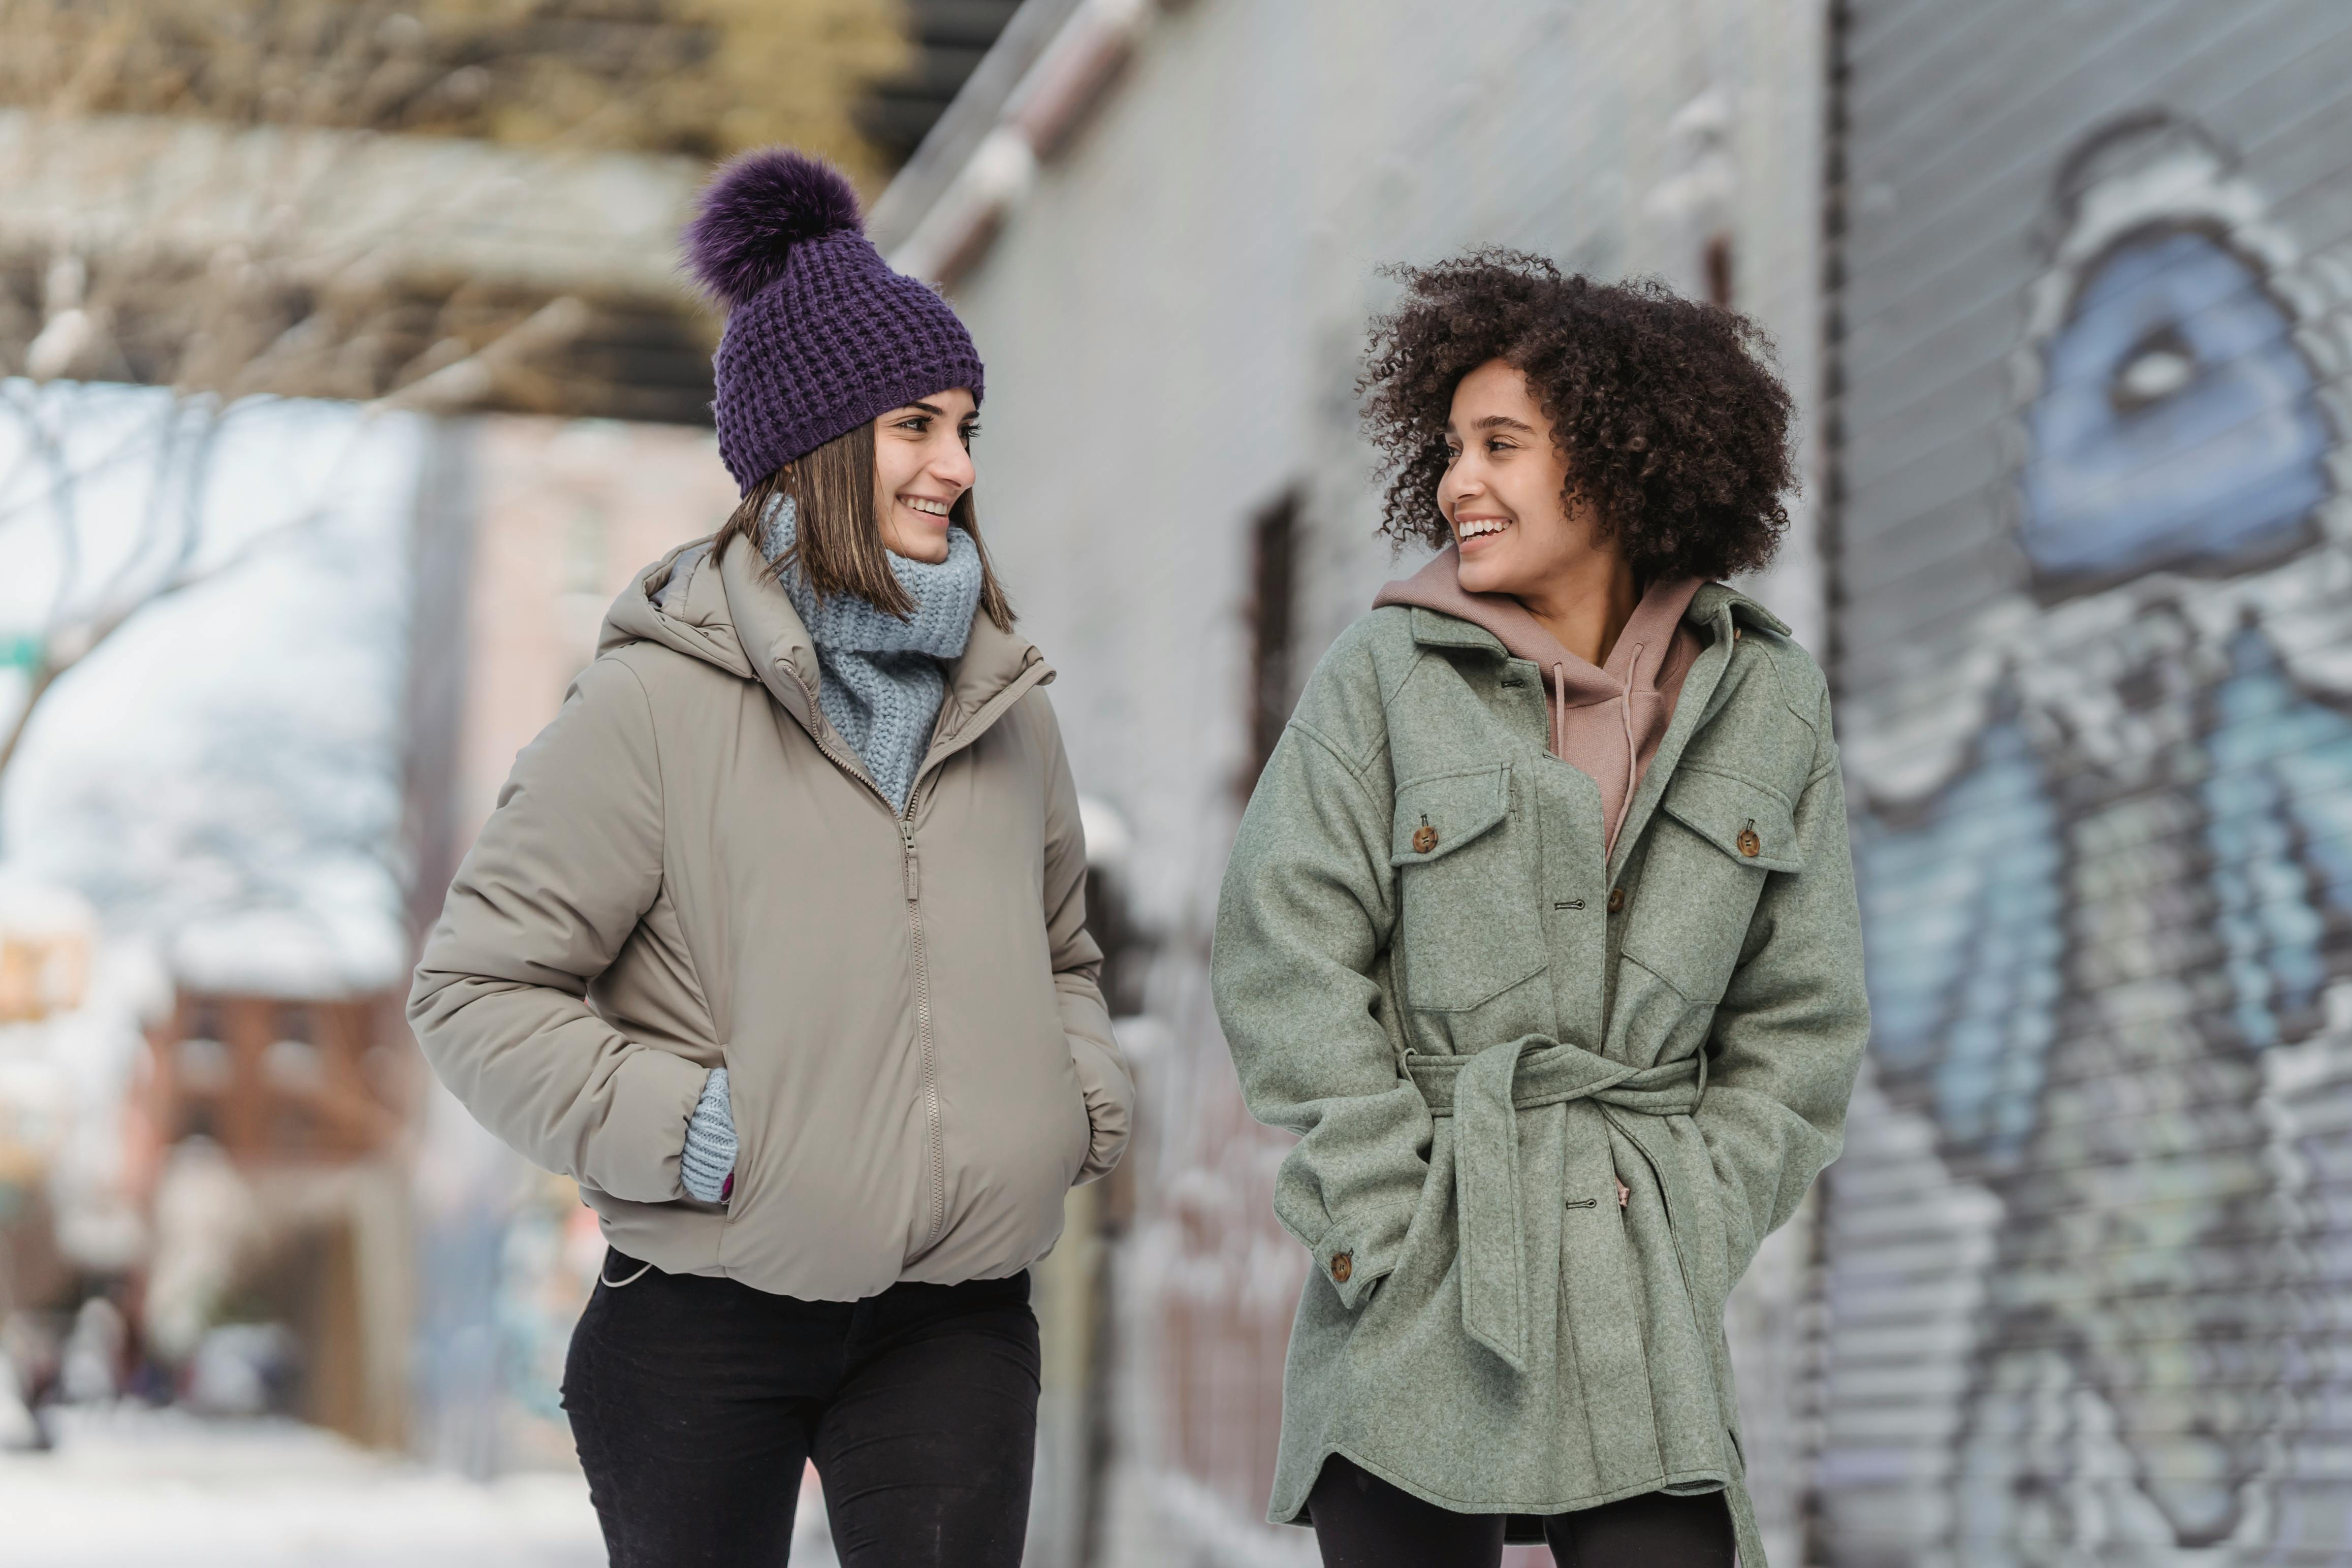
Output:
(759, 207)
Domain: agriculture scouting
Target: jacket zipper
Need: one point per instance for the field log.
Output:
(923, 1027)
(819, 731)
(934, 1134)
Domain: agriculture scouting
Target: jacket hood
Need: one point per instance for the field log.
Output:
(732, 614)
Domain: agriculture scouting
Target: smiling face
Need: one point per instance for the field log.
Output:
(1501, 492)
(922, 465)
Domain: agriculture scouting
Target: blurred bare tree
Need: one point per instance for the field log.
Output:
(702, 77)
(443, 205)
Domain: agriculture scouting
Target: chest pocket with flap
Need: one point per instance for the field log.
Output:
(1467, 922)
(1716, 838)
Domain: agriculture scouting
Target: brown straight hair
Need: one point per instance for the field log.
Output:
(837, 535)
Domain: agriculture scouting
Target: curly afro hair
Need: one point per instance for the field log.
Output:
(1673, 424)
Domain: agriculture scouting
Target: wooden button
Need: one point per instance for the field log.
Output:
(1616, 899)
(1424, 839)
(1749, 844)
(1341, 1264)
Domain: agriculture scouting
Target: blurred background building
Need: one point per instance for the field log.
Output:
(345, 376)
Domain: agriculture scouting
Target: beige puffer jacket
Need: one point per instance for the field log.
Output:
(689, 868)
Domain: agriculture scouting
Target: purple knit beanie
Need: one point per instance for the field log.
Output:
(821, 335)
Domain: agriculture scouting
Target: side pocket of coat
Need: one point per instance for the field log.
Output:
(1425, 1257)
(1709, 1238)
(1705, 1243)
(1675, 1152)
(743, 1135)
(1085, 1136)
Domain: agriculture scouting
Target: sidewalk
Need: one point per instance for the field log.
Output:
(137, 1487)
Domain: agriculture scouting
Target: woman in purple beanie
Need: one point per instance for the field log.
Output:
(776, 944)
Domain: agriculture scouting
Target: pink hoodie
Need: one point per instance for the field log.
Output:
(1606, 722)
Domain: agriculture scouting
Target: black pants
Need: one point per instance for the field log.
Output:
(1361, 1521)
(697, 1401)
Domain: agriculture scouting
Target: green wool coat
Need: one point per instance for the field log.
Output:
(1478, 1024)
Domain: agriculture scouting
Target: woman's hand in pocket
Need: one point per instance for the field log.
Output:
(706, 1166)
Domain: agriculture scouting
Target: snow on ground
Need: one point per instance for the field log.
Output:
(131, 1488)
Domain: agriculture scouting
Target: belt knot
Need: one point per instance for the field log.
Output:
(1484, 1093)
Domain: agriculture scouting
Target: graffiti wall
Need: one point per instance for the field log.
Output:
(2086, 1262)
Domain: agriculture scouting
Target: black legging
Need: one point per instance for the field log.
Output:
(1362, 1522)
(696, 1401)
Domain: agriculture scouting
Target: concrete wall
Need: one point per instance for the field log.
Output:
(1172, 318)
(2085, 1251)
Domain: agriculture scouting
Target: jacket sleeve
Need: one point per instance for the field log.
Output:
(1788, 1035)
(566, 865)
(1303, 925)
(1077, 976)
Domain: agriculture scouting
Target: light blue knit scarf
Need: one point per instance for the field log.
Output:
(885, 677)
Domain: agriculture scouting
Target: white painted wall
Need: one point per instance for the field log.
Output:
(1172, 318)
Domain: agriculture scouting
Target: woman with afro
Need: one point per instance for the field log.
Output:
(1540, 932)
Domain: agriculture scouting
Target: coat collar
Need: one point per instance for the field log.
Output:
(735, 616)
(995, 665)
(1712, 609)
(1715, 610)
(1715, 600)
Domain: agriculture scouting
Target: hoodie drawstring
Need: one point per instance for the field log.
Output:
(1559, 710)
(1632, 756)
(1625, 720)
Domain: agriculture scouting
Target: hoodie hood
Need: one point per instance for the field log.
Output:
(1606, 720)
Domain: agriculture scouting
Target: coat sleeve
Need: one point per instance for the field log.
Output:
(1303, 925)
(568, 861)
(1077, 975)
(1788, 1037)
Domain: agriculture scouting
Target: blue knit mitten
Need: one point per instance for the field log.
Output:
(707, 1166)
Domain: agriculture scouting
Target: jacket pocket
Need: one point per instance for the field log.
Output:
(1424, 1253)
(1752, 823)
(736, 1121)
(1673, 1155)
(1717, 838)
(1085, 1145)
(1467, 920)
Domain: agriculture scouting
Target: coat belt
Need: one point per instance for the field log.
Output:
(1484, 1093)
